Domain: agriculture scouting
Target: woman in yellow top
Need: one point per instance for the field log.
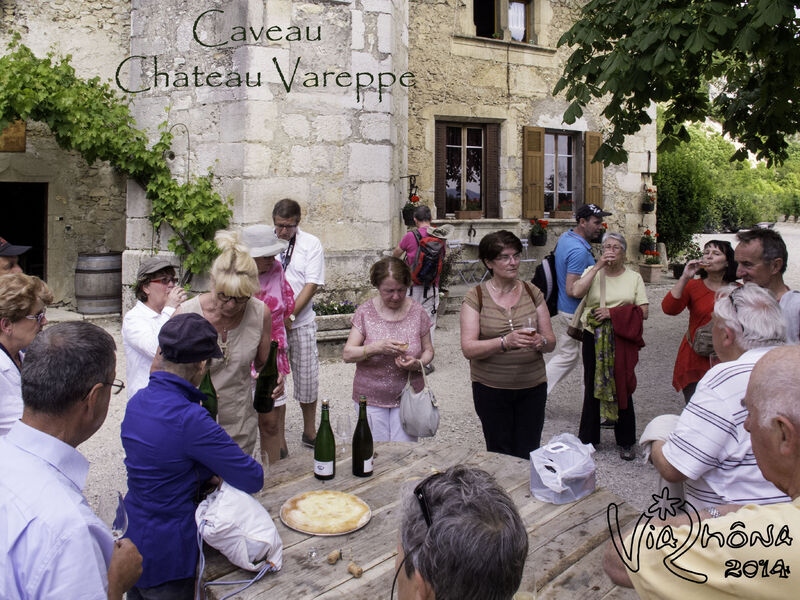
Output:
(505, 329)
(609, 374)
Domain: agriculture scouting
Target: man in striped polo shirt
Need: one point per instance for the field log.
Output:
(710, 449)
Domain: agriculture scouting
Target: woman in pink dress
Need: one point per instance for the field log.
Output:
(389, 337)
(277, 295)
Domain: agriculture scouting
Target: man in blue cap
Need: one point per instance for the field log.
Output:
(9, 257)
(173, 447)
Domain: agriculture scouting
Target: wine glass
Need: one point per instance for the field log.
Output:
(112, 511)
(344, 431)
(531, 328)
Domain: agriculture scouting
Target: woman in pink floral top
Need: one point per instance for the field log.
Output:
(390, 335)
(277, 294)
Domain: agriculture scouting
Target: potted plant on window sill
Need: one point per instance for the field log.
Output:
(538, 233)
(650, 270)
(563, 210)
(473, 211)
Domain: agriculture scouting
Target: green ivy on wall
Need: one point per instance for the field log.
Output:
(91, 118)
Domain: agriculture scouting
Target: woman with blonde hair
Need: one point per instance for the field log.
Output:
(244, 329)
(23, 299)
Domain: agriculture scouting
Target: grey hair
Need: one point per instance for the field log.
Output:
(476, 546)
(62, 365)
(752, 313)
(774, 382)
(615, 236)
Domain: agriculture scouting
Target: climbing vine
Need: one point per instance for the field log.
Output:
(88, 116)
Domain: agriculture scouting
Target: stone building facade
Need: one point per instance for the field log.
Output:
(486, 70)
(264, 93)
(51, 199)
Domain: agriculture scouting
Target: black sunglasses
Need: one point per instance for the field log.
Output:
(419, 494)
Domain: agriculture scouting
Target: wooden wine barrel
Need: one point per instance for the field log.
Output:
(98, 283)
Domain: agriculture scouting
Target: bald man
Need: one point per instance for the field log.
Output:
(753, 551)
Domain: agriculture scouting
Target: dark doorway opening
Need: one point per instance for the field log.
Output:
(24, 222)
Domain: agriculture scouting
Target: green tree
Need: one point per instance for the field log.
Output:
(631, 53)
(684, 190)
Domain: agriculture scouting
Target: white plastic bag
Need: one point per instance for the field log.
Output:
(563, 470)
(234, 523)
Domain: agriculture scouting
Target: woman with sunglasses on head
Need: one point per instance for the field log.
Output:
(244, 327)
(277, 295)
(505, 330)
(23, 299)
(715, 269)
(157, 298)
(612, 318)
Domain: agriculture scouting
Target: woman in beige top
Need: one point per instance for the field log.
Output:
(244, 329)
(505, 329)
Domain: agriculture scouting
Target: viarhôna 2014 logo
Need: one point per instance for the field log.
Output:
(660, 537)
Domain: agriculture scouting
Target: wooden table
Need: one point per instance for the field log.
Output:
(566, 541)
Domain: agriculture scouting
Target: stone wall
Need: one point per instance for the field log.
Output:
(85, 203)
(337, 152)
(466, 78)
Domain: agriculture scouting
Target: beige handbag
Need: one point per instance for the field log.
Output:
(419, 413)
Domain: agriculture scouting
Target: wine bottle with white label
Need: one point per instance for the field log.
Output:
(324, 447)
(362, 442)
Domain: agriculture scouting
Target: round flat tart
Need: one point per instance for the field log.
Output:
(325, 512)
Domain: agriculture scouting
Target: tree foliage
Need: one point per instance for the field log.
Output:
(632, 53)
(684, 190)
(91, 118)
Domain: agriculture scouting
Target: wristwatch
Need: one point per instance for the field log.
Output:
(292, 318)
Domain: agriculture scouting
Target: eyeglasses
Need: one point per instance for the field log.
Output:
(732, 297)
(613, 248)
(38, 317)
(419, 494)
(237, 299)
(507, 258)
(116, 386)
(165, 280)
(279, 227)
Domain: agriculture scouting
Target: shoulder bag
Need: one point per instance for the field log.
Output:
(419, 414)
(574, 330)
(702, 343)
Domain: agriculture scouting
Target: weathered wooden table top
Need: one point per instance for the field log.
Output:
(566, 541)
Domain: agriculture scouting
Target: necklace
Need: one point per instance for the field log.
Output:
(501, 291)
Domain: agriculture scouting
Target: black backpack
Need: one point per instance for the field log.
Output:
(544, 277)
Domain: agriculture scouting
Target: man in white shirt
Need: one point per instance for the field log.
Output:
(728, 551)
(52, 545)
(158, 297)
(709, 450)
(761, 256)
(304, 267)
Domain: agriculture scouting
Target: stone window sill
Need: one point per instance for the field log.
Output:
(491, 42)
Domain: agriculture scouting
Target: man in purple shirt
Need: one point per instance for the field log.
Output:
(172, 447)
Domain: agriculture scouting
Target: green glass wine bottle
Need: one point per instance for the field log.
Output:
(266, 382)
(362, 442)
(324, 447)
(207, 387)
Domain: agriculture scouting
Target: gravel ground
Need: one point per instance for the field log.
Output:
(633, 481)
